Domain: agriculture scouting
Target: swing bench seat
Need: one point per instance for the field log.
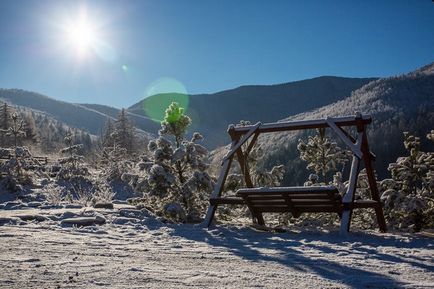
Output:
(298, 200)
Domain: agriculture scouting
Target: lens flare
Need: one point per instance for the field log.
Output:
(160, 94)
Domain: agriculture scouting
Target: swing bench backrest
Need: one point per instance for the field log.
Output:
(298, 200)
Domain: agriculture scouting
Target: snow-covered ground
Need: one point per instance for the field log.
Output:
(134, 250)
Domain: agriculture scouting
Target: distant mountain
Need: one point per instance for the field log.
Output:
(45, 134)
(212, 113)
(397, 104)
(88, 117)
(142, 122)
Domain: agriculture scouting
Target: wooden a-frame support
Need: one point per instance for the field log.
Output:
(359, 147)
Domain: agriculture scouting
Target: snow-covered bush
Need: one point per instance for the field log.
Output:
(114, 161)
(173, 177)
(18, 166)
(408, 196)
(18, 169)
(71, 166)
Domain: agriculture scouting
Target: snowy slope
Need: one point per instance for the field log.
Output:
(129, 252)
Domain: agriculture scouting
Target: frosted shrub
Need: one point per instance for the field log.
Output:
(72, 167)
(114, 160)
(322, 155)
(53, 194)
(18, 169)
(408, 196)
(173, 177)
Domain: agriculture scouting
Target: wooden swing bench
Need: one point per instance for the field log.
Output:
(307, 199)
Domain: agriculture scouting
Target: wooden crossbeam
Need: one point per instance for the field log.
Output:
(245, 137)
(302, 124)
(355, 148)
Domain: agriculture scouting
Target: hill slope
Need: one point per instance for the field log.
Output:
(211, 113)
(397, 104)
(91, 118)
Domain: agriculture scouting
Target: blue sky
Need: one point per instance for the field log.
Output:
(142, 47)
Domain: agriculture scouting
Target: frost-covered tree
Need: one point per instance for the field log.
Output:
(114, 161)
(16, 129)
(408, 196)
(173, 177)
(72, 166)
(5, 120)
(107, 137)
(125, 136)
(175, 123)
(20, 165)
(323, 156)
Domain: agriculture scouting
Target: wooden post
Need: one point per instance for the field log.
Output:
(218, 188)
(367, 159)
(348, 198)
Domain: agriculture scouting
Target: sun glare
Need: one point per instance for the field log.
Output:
(81, 36)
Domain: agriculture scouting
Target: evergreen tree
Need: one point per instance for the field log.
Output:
(322, 155)
(15, 131)
(175, 123)
(107, 139)
(409, 195)
(72, 163)
(5, 117)
(31, 134)
(174, 178)
(125, 136)
(5, 120)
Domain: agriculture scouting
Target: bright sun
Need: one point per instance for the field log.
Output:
(84, 36)
(81, 36)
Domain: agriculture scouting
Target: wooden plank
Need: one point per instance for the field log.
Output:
(227, 201)
(365, 204)
(245, 137)
(291, 202)
(299, 209)
(292, 196)
(310, 189)
(302, 124)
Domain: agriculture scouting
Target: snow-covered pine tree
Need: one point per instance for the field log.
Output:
(408, 196)
(107, 139)
(125, 136)
(173, 178)
(113, 158)
(16, 129)
(5, 120)
(72, 164)
(323, 156)
(5, 116)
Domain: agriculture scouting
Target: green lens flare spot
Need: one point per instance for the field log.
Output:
(161, 94)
